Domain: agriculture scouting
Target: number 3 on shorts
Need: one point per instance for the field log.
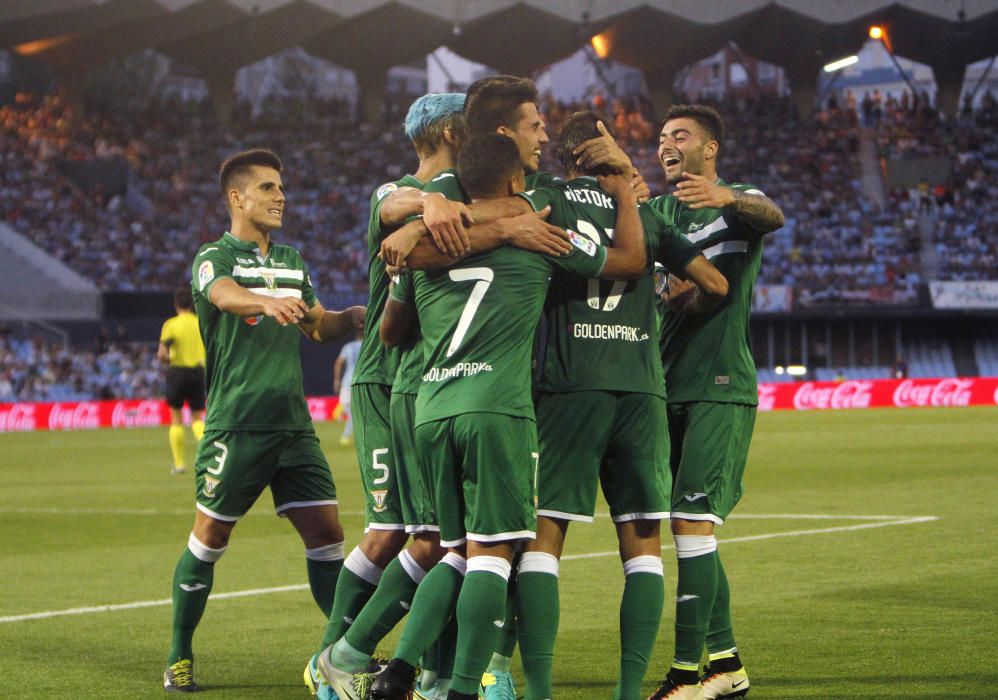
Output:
(223, 453)
(378, 466)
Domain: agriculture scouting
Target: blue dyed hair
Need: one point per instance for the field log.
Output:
(430, 109)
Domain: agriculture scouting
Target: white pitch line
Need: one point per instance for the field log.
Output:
(569, 557)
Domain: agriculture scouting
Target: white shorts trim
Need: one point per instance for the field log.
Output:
(696, 516)
(503, 536)
(558, 515)
(413, 529)
(218, 516)
(302, 504)
(627, 517)
(450, 544)
(384, 526)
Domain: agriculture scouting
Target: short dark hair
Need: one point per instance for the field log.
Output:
(578, 128)
(495, 101)
(486, 162)
(183, 298)
(707, 117)
(238, 165)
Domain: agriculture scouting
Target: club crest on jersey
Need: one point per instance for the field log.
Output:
(209, 486)
(582, 243)
(206, 273)
(693, 228)
(379, 497)
(253, 320)
(269, 279)
(386, 190)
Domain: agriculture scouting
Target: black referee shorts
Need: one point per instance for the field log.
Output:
(185, 385)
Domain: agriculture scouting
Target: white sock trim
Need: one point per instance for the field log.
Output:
(539, 563)
(329, 552)
(644, 564)
(415, 571)
(689, 546)
(203, 551)
(361, 566)
(456, 562)
(494, 565)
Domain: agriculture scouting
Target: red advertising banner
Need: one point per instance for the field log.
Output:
(134, 413)
(801, 396)
(879, 393)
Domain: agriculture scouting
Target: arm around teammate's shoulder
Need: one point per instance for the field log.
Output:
(628, 258)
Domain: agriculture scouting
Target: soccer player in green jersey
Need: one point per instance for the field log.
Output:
(252, 297)
(712, 392)
(475, 421)
(601, 415)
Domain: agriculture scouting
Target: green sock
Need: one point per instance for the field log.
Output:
(192, 581)
(481, 605)
(323, 565)
(720, 632)
(389, 604)
(640, 615)
(446, 648)
(352, 592)
(695, 591)
(432, 606)
(538, 611)
(503, 658)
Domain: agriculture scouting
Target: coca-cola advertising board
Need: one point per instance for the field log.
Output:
(132, 413)
(879, 393)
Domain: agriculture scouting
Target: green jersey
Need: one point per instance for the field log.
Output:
(478, 320)
(377, 364)
(410, 371)
(447, 184)
(601, 334)
(252, 366)
(708, 356)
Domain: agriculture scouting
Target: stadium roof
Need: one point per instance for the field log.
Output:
(516, 36)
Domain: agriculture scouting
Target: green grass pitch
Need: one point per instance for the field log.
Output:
(862, 562)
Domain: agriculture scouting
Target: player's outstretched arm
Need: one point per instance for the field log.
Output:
(627, 259)
(324, 326)
(703, 289)
(230, 297)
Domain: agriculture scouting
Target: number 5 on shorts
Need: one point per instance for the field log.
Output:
(378, 466)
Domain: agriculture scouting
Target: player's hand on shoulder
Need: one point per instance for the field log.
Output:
(641, 189)
(531, 232)
(357, 316)
(446, 221)
(699, 192)
(602, 150)
(618, 186)
(284, 310)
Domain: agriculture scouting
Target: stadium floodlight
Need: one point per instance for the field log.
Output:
(840, 64)
(877, 32)
(601, 45)
(778, 369)
(796, 370)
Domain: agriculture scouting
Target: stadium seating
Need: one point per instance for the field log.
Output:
(986, 354)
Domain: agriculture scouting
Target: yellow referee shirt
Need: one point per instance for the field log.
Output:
(183, 337)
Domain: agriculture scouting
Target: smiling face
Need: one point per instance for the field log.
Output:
(257, 198)
(685, 146)
(529, 134)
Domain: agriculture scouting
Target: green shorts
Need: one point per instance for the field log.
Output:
(710, 444)
(483, 468)
(616, 440)
(417, 506)
(232, 468)
(375, 456)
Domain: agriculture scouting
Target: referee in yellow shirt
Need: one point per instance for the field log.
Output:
(180, 344)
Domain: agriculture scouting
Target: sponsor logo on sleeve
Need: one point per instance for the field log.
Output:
(582, 243)
(386, 190)
(206, 273)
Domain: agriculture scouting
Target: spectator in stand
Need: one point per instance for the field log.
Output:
(899, 370)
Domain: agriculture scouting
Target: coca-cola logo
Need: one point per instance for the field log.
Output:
(942, 392)
(141, 414)
(18, 417)
(851, 394)
(767, 397)
(78, 416)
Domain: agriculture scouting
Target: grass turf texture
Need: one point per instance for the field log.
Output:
(903, 610)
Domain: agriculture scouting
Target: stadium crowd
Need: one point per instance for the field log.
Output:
(34, 369)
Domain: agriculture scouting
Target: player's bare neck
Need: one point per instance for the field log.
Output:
(431, 166)
(251, 234)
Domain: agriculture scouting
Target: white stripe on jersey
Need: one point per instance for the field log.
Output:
(718, 224)
(276, 293)
(240, 271)
(726, 247)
